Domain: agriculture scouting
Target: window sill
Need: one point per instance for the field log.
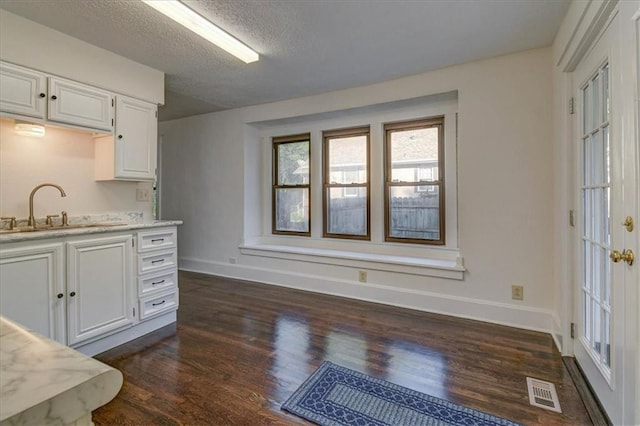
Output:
(451, 269)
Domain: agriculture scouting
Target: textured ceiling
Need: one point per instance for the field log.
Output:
(306, 47)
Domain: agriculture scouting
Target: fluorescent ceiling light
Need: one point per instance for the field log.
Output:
(205, 29)
(29, 129)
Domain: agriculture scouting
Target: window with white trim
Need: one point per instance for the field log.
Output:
(431, 177)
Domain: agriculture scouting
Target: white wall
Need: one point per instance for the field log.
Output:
(505, 192)
(64, 157)
(32, 45)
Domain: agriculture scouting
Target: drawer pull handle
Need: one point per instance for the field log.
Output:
(72, 294)
(157, 240)
(158, 282)
(157, 261)
(60, 295)
(159, 303)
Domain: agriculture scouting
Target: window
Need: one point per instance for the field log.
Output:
(346, 183)
(291, 203)
(426, 173)
(414, 181)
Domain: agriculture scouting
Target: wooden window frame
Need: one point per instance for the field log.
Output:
(276, 142)
(389, 128)
(327, 185)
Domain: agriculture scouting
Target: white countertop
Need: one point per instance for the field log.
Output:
(38, 235)
(43, 382)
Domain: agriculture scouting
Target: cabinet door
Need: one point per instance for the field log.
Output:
(75, 103)
(32, 288)
(22, 91)
(100, 287)
(136, 140)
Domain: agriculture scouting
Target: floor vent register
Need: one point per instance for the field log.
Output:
(543, 394)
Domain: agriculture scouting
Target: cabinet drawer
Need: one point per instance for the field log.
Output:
(156, 239)
(156, 261)
(157, 282)
(158, 304)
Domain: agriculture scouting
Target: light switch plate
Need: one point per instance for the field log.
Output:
(143, 194)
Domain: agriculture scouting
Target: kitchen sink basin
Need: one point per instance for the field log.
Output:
(57, 228)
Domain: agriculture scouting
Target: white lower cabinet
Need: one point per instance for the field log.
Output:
(157, 271)
(86, 290)
(100, 287)
(32, 288)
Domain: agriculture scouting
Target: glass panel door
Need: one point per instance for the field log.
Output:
(596, 220)
(607, 191)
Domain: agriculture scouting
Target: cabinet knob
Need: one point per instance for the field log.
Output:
(54, 97)
(119, 136)
(73, 293)
(60, 295)
(42, 95)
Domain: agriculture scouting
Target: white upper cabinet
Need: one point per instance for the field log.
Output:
(136, 138)
(22, 91)
(126, 128)
(32, 94)
(130, 154)
(78, 104)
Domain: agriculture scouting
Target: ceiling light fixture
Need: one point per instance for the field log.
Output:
(205, 29)
(24, 128)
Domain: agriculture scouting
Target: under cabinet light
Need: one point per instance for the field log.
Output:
(24, 128)
(204, 28)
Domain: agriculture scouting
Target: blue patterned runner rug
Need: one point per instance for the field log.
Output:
(337, 396)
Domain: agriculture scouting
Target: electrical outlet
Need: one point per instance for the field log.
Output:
(233, 260)
(517, 292)
(143, 194)
(362, 276)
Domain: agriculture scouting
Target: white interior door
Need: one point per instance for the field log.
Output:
(606, 301)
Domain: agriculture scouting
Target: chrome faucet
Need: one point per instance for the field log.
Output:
(32, 219)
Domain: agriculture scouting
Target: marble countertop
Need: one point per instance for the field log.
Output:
(64, 232)
(43, 382)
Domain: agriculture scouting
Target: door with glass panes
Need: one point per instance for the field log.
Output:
(606, 191)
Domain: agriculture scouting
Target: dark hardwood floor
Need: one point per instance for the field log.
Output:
(239, 350)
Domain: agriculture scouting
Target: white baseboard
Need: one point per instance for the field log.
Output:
(557, 332)
(462, 307)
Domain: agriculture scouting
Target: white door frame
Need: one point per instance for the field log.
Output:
(630, 39)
